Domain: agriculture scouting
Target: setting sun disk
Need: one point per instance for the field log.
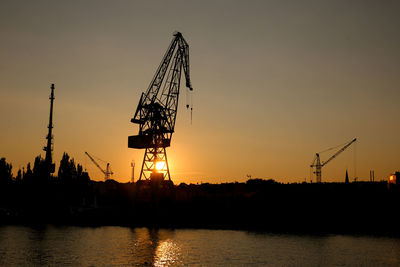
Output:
(160, 165)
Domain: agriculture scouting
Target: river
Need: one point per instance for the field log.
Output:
(99, 246)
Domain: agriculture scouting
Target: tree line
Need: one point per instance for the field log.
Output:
(68, 171)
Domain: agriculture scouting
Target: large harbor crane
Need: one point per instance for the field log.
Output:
(318, 164)
(107, 172)
(157, 109)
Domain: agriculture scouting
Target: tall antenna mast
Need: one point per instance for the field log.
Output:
(49, 147)
(133, 171)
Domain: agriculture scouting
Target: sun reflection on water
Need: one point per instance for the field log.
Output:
(121, 246)
(167, 253)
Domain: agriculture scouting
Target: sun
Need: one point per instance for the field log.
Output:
(160, 165)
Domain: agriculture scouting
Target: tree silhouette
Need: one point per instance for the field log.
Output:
(79, 170)
(5, 171)
(19, 176)
(67, 169)
(40, 169)
(81, 175)
(28, 175)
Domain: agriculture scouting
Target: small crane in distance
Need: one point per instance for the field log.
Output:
(318, 164)
(107, 172)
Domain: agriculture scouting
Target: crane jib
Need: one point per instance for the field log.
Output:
(162, 102)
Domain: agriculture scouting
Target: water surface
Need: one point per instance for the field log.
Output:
(85, 246)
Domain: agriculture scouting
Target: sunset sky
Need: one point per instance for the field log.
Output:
(274, 83)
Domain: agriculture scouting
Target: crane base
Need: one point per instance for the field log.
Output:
(150, 169)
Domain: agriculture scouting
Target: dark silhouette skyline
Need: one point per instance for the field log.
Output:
(262, 205)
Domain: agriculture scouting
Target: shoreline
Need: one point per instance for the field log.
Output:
(366, 208)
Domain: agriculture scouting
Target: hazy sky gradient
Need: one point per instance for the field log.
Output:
(274, 81)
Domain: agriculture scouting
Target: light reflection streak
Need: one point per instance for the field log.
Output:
(154, 247)
(167, 253)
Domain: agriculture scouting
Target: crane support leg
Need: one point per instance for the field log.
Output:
(155, 165)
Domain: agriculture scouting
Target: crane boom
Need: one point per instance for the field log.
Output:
(95, 163)
(340, 151)
(167, 98)
(157, 108)
(317, 161)
(106, 172)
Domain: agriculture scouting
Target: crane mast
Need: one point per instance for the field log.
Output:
(107, 172)
(317, 161)
(157, 109)
(50, 166)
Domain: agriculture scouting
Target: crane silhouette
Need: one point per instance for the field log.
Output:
(107, 172)
(157, 109)
(318, 164)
